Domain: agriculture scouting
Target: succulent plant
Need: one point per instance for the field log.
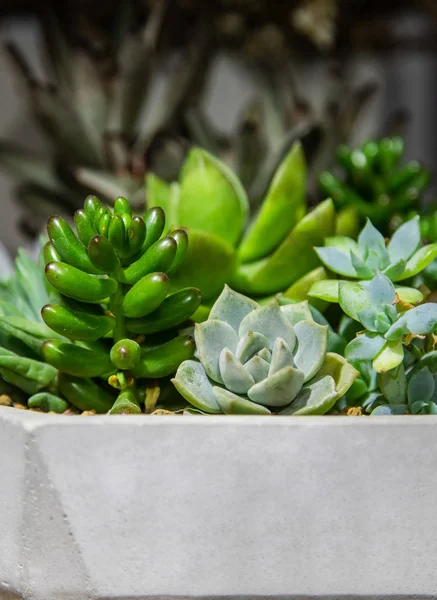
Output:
(108, 316)
(402, 258)
(274, 252)
(256, 359)
(389, 325)
(375, 184)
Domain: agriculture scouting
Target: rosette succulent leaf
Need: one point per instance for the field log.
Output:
(259, 255)
(400, 259)
(388, 324)
(256, 359)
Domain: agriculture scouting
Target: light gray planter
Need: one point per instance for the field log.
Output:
(217, 507)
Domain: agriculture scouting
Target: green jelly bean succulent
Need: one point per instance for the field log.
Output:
(108, 314)
(256, 359)
(375, 185)
(400, 259)
(389, 325)
(259, 255)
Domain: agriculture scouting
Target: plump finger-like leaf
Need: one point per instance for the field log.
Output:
(365, 347)
(232, 307)
(421, 259)
(283, 207)
(313, 399)
(393, 385)
(337, 261)
(311, 348)
(231, 404)
(211, 337)
(38, 374)
(405, 241)
(325, 290)
(235, 377)
(278, 389)
(193, 384)
(293, 258)
(420, 320)
(48, 402)
(389, 358)
(271, 322)
(211, 197)
(208, 264)
(421, 386)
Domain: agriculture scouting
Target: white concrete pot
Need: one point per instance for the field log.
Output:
(217, 507)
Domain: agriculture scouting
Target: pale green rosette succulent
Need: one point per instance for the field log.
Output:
(260, 360)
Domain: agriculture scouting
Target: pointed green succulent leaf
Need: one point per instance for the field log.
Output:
(208, 264)
(235, 377)
(315, 398)
(193, 384)
(380, 289)
(325, 290)
(281, 357)
(312, 340)
(405, 241)
(232, 307)
(420, 320)
(271, 322)
(211, 197)
(282, 208)
(353, 297)
(269, 276)
(420, 387)
(299, 290)
(389, 358)
(211, 337)
(361, 266)
(371, 239)
(231, 404)
(278, 389)
(258, 367)
(421, 259)
(393, 385)
(342, 243)
(428, 360)
(249, 344)
(395, 270)
(365, 347)
(342, 372)
(297, 312)
(337, 261)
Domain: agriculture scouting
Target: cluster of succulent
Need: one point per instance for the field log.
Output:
(259, 255)
(110, 317)
(257, 360)
(376, 185)
(400, 259)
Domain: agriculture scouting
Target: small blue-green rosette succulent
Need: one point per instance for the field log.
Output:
(260, 360)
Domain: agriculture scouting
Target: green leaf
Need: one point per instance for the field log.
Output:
(365, 347)
(158, 194)
(31, 283)
(32, 375)
(408, 294)
(235, 377)
(232, 307)
(421, 259)
(300, 289)
(278, 389)
(393, 385)
(298, 312)
(325, 290)
(405, 241)
(371, 239)
(231, 404)
(420, 320)
(337, 261)
(342, 372)
(342, 243)
(193, 384)
(211, 337)
(294, 258)
(381, 290)
(208, 264)
(353, 297)
(389, 358)
(312, 340)
(389, 409)
(314, 399)
(211, 197)
(282, 208)
(421, 387)
(271, 322)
